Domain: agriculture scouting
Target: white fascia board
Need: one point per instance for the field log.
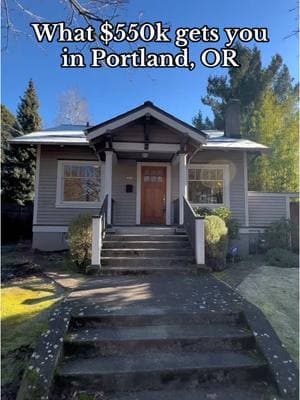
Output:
(238, 145)
(153, 147)
(141, 113)
(51, 141)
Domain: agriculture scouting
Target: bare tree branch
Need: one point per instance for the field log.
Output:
(90, 11)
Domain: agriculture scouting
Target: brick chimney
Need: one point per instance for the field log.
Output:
(233, 119)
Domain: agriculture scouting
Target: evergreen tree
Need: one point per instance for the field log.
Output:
(9, 129)
(27, 113)
(246, 83)
(198, 122)
(18, 168)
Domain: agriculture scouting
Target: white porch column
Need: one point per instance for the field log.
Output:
(182, 185)
(108, 182)
(96, 240)
(199, 241)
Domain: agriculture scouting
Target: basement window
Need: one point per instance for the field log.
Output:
(208, 185)
(78, 184)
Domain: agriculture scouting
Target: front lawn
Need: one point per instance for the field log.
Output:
(25, 307)
(275, 291)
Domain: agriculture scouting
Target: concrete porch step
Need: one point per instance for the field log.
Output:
(144, 244)
(141, 237)
(177, 338)
(181, 261)
(91, 318)
(158, 370)
(149, 252)
(144, 230)
(258, 391)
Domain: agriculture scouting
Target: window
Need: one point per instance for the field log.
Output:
(208, 185)
(78, 183)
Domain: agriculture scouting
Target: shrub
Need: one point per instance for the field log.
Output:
(282, 258)
(216, 242)
(278, 234)
(225, 214)
(80, 240)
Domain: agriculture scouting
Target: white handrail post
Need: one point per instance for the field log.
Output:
(199, 241)
(108, 181)
(96, 240)
(182, 185)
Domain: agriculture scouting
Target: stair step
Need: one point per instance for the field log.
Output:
(258, 391)
(143, 244)
(155, 370)
(149, 270)
(137, 237)
(121, 340)
(147, 261)
(145, 230)
(91, 318)
(152, 252)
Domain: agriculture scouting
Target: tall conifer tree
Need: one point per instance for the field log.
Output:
(18, 168)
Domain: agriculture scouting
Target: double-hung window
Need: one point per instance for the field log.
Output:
(78, 184)
(208, 185)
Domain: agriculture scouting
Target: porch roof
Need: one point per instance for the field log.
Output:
(81, 135)
(146, 109)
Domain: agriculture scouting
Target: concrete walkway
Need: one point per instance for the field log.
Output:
(146, 297)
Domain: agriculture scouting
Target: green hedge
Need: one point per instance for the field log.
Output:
(80, 240)
(216, 242)
(225, 214)
(282, 258)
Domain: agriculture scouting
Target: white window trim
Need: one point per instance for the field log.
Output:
(60, 203)
(139, 189)
(226, 187)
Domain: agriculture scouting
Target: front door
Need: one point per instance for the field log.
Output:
(153, 196)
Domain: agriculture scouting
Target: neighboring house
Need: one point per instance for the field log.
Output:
(144, 163)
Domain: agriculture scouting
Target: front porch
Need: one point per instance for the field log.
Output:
(144, 156)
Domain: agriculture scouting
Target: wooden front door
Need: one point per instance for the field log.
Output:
(153, 196)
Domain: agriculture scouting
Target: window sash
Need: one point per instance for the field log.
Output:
(210, 183)
(79, 183)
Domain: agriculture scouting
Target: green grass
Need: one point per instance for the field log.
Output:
(25, 307)
(275, 291)
(272, 289)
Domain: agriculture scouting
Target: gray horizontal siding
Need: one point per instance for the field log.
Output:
(235, 160)
(47, 212)
(265, 209)
(124, 172)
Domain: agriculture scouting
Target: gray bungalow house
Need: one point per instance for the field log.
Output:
(144, 167)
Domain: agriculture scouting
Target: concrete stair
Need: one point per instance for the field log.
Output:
(146, 249)
(163, 356)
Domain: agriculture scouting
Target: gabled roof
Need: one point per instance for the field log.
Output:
(147, 108)
(81, 135)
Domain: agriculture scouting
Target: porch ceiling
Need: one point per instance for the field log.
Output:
(138, 156)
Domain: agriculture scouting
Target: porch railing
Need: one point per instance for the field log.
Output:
(194, 226)
(99, 228)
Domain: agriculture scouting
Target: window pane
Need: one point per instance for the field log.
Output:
(220, 174)
(67, 170)
(213, 174)
(81, 183)
(206, 192)
(192, 174)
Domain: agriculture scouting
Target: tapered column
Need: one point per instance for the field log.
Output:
(182, 185)
(108, 182)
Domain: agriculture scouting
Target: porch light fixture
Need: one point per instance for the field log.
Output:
(145, 155)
